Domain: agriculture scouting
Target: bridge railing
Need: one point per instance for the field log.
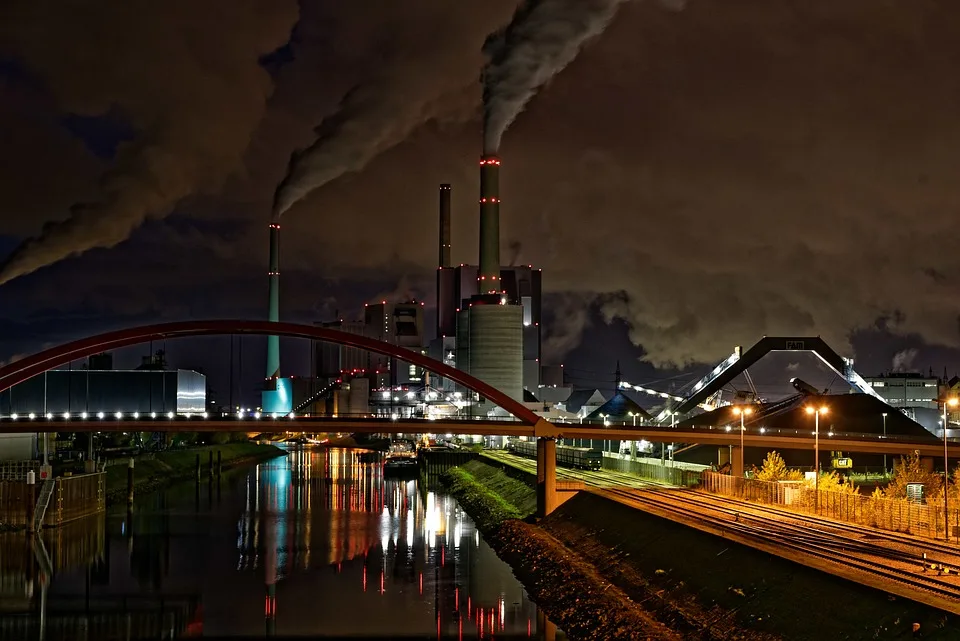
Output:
(895, 515)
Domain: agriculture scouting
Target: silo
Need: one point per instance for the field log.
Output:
(496, 347)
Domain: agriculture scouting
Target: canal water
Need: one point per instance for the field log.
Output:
(316, 543)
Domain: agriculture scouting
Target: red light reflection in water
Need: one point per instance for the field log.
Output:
(364, 578)
(421, 583)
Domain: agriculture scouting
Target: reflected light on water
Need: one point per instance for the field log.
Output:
(297, 539)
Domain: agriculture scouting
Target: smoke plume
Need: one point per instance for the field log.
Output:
(570, 316)
(544, 37)
(427, 53)
(184, 74)
(903, 360)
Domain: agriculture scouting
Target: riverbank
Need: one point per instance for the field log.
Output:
(572, 594)
(693, 585)
(181, 465)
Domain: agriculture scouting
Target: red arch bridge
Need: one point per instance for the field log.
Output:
(524, 422)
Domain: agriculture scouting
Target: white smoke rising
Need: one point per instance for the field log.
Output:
(431, 53)
(544, 37)
(904, 359)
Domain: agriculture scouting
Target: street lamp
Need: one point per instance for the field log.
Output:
(952, 402)
(884, 436)
(741, 412)
(633, 444)
(816, 448)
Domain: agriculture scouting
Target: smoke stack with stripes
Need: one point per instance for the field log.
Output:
(277, 395)
(489, 272)
(273, 312)
(444, 259)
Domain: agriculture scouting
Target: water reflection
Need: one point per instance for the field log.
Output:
(326, 543)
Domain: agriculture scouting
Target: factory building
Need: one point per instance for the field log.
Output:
(915, 395)
(90, 391)
(521, 288)
(400, 324)
(903, 390)
(397, 323)
(332, 360)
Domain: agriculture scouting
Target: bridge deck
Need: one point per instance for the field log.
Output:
(707, 435)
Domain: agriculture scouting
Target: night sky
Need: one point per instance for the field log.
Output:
(699, 176)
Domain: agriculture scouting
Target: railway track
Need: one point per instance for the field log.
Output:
(898, 566)
(898, 538)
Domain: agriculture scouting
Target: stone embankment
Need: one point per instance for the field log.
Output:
(181, 465)
(603, 570)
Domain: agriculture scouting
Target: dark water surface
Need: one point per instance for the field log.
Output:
(313, 544)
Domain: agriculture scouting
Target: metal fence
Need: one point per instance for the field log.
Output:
(17, 470)
(652, 471)
(895, 515)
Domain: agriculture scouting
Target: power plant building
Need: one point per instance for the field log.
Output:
(89, 391)
(521, 287)
(398, 323)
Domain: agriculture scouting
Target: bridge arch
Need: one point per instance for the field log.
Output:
(40, 362)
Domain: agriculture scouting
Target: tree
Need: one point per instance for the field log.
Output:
(833, 482)
(774, 469)
(913, 470)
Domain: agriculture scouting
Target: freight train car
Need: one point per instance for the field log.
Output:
(583, 458)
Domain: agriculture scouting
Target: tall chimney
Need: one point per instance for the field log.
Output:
(444, 225)
(273, 342)
(489, 274)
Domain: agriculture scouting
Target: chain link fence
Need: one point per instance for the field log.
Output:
(896, 515)
(653, 471)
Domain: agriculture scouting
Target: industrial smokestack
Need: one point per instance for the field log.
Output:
(273, 342)
(489, 274)
(444, 225)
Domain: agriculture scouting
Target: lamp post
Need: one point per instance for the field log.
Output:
(816, 448)
(952, 402)
(741, 412)
(673, 425)
(884, 436)
(633, 444)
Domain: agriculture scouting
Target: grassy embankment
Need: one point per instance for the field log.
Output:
(489, 495)
(178, 465)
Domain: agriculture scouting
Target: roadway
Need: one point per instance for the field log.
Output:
(778, 439)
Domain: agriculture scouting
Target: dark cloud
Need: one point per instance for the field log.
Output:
(727, 171)
(185, 76)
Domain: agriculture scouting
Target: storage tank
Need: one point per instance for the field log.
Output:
(359, 397)
(496, 347)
